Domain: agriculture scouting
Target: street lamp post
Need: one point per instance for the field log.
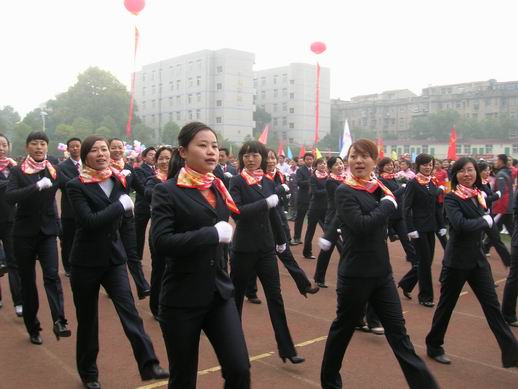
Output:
(43, 114)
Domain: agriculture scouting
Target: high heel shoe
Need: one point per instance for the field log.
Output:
(311, 290)
(405, 293)
(294, 359)
(60, 329)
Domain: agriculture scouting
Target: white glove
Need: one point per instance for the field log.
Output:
(44, 183)
(228, 174)
(280, 248)
(403, 185)
(391, 199)
(272, 201)
(126, 202)
(499, 194)
(288, 196)
(324, 244)
(442, 231)
(339, 230)
(224, 232)
(443, 188)
(484, 195)
(489, 220)
(286, 188)
(413, 235)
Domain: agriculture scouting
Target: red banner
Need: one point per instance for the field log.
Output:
(452, 148)
(132, 95)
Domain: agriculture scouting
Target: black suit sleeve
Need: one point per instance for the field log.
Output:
(332, 233)
(246, 211)
(85, 217)
(148, 188)
(302, 179)
(165, 237)
(137, 184)
(15, 192)
(457, 219)
(316, 190)
(350, 213)
(408, 202)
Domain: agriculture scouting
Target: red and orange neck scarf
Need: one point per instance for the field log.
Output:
(30, 166)
(188, 178)
(370, 185)
(119, 165)
(425, 180)
(252, 178)
(485, 182)
(92, 176)
(276, 172)
(161, 176)
(6, 163)
(336, 177)
(466, 193)
(321, 175)
(387, 176)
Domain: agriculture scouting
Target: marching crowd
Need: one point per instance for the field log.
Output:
(203, 267)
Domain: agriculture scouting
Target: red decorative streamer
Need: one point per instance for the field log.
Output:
(132, 96)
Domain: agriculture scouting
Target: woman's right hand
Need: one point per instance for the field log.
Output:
(126, 202)
(224, 232)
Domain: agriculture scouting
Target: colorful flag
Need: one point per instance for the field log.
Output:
(346, 140)
(290, 154)
(317, 153)
(394, 155)
(264, 135)
(452, 148)
(280, 149)
(381, 153)
(302, 152)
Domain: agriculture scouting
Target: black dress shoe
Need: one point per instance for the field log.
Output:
(405, 293)
(309, 256)
(36, 339)
(311, 290)
(513, 323)
(92, 384)
(441, 359)
(254, 300)
(154, 372)
(143, 294)
(61, 330)
(295, 359)
(321, 285)
(295, 242)
(427, 304)
(3, 269)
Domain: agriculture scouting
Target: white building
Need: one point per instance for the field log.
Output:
(289, 95)
(214, 87)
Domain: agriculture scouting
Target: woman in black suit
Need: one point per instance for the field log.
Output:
(317, 205)
(258, 236)
(128, 230)
(7, 212)
(98, 259)
(363, 207)
(32, 187)
(420, 212)
(282, 190)
(163, 157)
(189, 226)
(331, 237)
(464, 261)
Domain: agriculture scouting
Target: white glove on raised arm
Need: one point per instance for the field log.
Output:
(499, 194)
(443, 188)
(442, 231)
(413, 235)
(224, 232)
(286, 188)
(126, 202)
(272, 201)
(324, 244)
(44, 183)
(228, 174)
(391, 199)
(280, 248)
(489, 220)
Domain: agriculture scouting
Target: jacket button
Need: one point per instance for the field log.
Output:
(211, 262)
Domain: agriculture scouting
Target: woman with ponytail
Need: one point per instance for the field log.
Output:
(464, 261)
(189, 227)
(363, 207)
(98, 259)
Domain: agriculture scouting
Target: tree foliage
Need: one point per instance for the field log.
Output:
(262, 118)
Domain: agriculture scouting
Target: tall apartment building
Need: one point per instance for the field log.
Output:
(288, 94)
(391, 112)
(214, 87)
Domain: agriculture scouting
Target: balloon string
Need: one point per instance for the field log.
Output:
(132, 93)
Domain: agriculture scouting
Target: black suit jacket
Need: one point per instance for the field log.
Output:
(7, 210)
(151, 182)
(302, 176)
(363, 220)
(142, 173)
(464, 247)
(318, 193)
(491, 196)
(69, 172)
(182, 230)
(398, 191)
(420, 207)
(97, 240)
(257, 227)
(36, 210)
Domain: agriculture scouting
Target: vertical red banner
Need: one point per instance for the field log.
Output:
(317, 107)
(132, 93)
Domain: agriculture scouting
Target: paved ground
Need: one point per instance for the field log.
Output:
(369, 362)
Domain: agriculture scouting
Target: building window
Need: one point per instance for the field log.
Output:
(198, 81)
(459, 149)
(153, 104)
(152, 119)
(284, 92)
(292, 110)
(219, 86)
(489, 149)
(178, 115)
(198, 65)
(170, 101)
(263, 95)
(406, 148)
(198, 114)
(170, 116)
(190, 84)
(153, 75)
(284, 107)
(171, 85)
(284, 121)
(515, 148)
(218, 120)
(275, 93)
(189, 115)
(189, 99)
(275, 106)
(198, 97)
(178, 83)
(292, 125)
(153, 89)
(275, 80)
(219, 69)
(292, 96)
(432, 151)
(178, 100)
(143, 105)
(218, 103)
(263, 81)
(467, 149)
(284, 78)
(292, 82)
(143, 77)
(275, 121)
(425, 149)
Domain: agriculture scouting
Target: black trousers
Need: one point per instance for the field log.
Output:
(315, 216)
(399, 227)
(243, 266)
(68, 227)
(511, 288)
(157, 273)
(324, 257)
(422, 271)
(129, 240)
(381, 294)
(481, 282)
(302, 209)
(141, 222)
(27, 250)
(86, 282)
(15, 283)
(181, 328)
(493, 239)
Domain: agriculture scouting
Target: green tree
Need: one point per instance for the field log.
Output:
(83, 127)
(169, 134)
(143, 134)
(8, 119)
(104, 131)
(64, 132)
(18, 138)
(262, 118)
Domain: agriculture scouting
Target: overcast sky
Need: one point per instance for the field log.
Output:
(372, 45)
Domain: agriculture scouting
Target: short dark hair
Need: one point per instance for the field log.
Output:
(504, 158)
(225, 150)
(109, 141)
(331, 162)
(483, 165)
(458, 165)
(317, 161)
(88, 143)
(383, 162)
(161, 149)
(6, 138)
(423, 159)
(147, 150)
(365, 146)
(253, 146)
(72, 140)
(308, 154)
(36, 135)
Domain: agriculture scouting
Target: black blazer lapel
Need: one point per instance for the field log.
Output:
(195, 194)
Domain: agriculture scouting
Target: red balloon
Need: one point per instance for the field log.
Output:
(318, 47)
(135, 6)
